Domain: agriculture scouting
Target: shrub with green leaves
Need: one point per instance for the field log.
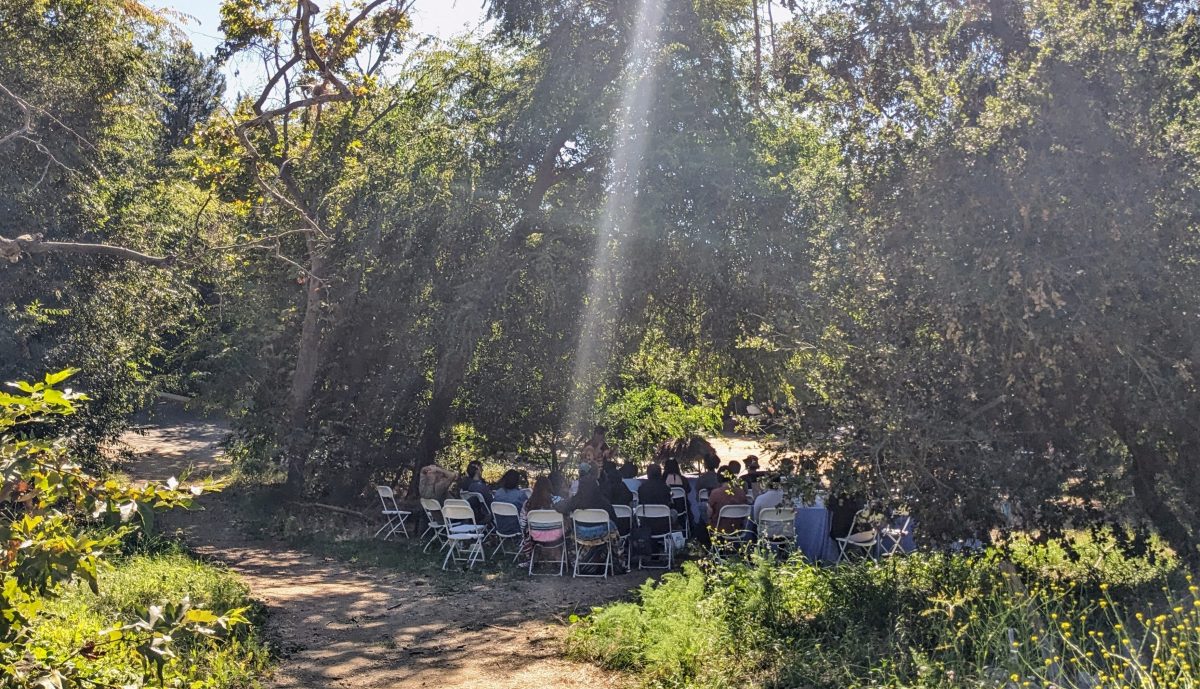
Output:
(49, 512)
(640, 418)
(926, 620)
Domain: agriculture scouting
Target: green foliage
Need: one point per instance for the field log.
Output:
(102, 78)
(639, 419)
(127, 591)
(1010, 265)
(44, 501)
(927, 620)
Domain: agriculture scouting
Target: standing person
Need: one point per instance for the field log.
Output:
(596, 449)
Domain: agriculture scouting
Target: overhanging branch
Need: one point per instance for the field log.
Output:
(13, 249)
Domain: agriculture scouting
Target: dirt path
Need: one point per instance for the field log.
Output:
(340, 626)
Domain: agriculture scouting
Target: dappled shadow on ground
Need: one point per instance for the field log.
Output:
(338, 625)
(168, 441)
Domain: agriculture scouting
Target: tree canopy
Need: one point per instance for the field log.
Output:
(957, 240)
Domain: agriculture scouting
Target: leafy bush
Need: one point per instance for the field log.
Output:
(60, 525)
(79, 618)
(641, 418)
(926, 620)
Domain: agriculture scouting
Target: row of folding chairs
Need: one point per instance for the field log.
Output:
(551, 521)
(777, 531)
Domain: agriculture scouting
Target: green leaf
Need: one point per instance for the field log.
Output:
(56, 378)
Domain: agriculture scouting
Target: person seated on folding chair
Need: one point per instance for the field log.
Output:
(729, 492)
(590, 497)
(612, 486)
(560, 487)
(542, 498)
(473, 482)
(754, 477)
(510, 490)
(711, 478)
(654, 490)
(771, 497)
(629, 469)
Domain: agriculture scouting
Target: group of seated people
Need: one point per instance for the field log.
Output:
(602, 484)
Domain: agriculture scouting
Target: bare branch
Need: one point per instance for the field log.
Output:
(13, 249)
(26, 110)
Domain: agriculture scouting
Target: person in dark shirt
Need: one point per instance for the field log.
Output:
(629, 469)
(709, 479)
(752, 475)
(654, 490)
(612, 486)
(588, 497)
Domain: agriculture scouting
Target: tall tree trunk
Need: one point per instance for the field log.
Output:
(1148, 470)
(757, 55)
(308, 361)
(448, 378)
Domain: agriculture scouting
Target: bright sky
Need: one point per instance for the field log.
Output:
(442, 18)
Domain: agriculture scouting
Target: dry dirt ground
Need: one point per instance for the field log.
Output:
(337, 625)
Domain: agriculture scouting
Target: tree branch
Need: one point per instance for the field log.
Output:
(13, 249)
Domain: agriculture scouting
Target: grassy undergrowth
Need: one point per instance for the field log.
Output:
(1077, 614)
(74, 622)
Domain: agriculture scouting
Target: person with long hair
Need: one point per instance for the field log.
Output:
(674, 477)
(510, 489)
(543, 498)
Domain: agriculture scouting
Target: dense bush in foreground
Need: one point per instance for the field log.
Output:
(127, 592)
(68, 618)
(927, 620)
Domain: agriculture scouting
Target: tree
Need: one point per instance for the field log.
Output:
(290, 139)
(1011, 286)
(89, 214)
(192, 87)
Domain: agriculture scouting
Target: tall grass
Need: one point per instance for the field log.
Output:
(1011, 619)
(74, 622)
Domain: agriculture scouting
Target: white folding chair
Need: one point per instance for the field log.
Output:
(858, 537)
(456, 501)
(436, 527)
(679, 504)
(464, 535)
(585, 519)
(723, 537)
(392, 512)
(891, 537)
(547, 520)
(625, 516)
(651, 515)
(506, 526)
(777, 528)
(702, 496)
(467, 495)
